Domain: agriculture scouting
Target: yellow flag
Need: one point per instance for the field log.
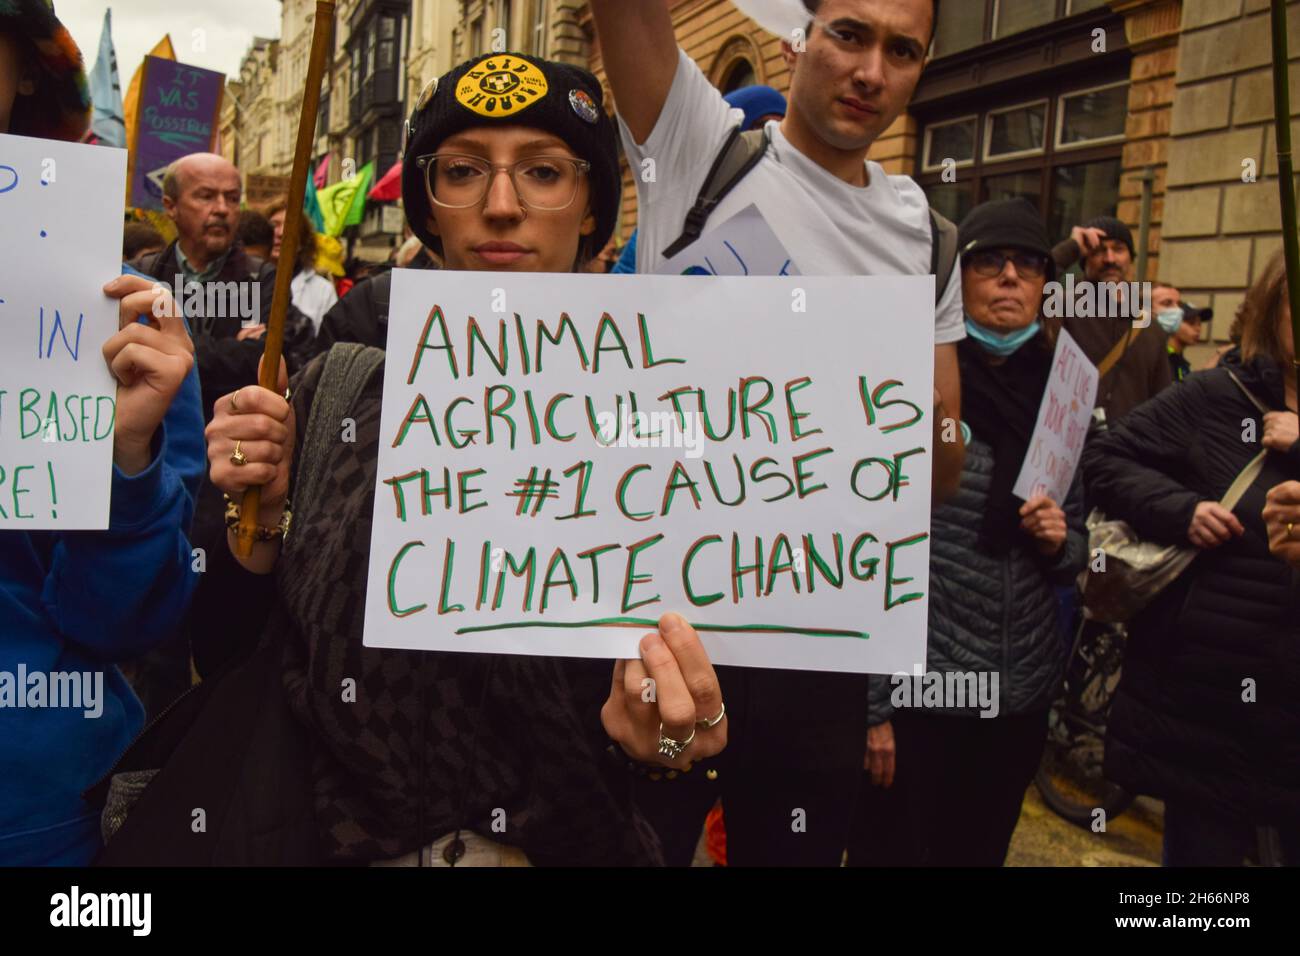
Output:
(131, 103)
(329, 255)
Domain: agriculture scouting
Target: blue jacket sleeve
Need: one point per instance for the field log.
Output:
(119, 592)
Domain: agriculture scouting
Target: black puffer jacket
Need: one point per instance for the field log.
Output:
(993, 614)
(1208, 709)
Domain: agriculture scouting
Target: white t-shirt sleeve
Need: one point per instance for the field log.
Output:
(691, 129)
(950, 314)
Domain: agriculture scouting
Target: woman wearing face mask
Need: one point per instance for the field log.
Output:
(1207, 713)
(438, 758)
(955, 796)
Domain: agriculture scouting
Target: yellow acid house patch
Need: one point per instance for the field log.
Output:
(501, 86)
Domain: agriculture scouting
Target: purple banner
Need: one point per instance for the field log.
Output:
(178, 112)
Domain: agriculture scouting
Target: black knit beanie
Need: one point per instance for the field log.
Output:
(514, 89)
(1002, 223)
(1112, 228)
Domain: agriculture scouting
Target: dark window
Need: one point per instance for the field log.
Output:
(964, 24)
(1061, 152)
(739, 75)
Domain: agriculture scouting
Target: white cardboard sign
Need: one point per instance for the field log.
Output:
(786, 514)
(1063, 418)
(60, 242)
(744, 245)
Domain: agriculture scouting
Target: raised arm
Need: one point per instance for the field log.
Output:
(639, 52)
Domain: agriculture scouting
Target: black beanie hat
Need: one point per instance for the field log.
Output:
(1112, 228)
(514, 89)
(1002, 223)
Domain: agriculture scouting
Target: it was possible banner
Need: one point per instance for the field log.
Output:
(179, 108)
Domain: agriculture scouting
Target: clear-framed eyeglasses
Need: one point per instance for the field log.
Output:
(458, 181)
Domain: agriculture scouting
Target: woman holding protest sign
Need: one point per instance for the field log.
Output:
(74, 602)
(1207, 714)
(375, 756)
(994, 649)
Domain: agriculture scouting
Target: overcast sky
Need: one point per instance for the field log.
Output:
(226, 29)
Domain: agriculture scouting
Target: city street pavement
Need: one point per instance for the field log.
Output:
(1044, 839)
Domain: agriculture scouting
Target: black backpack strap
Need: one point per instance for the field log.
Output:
(739, 154)
(348, 367)
(943, 253)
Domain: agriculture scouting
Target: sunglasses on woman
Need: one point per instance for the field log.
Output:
(991, 262)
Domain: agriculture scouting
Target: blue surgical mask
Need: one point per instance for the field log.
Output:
(1170, 320)
(1001, 343)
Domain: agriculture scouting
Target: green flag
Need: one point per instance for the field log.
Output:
(311, 206)
(366, 177)
(342, 204)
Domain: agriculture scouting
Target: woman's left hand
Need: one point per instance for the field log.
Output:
(1281, 430)
(671, 692)
(1044, 521)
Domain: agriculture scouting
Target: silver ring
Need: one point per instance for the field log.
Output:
(708, 724)
(672, 749)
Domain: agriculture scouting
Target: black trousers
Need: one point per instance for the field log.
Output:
(958, 786)
(788, 778)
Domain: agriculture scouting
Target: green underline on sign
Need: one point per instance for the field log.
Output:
(653, 622)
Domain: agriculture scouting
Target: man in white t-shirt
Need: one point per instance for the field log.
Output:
(797, 749)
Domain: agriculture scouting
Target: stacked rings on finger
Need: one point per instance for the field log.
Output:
(672, 749)
(710, 724)
(237, 457)
(1290, 530)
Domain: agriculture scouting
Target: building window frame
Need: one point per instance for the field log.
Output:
(1040, 163)
(987, 143)
(539, 30)
(735, 49)
(929, 167)
(1057, 145)
(993, 13)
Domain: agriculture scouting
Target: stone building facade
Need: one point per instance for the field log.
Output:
(255, 107)
(1223, 221)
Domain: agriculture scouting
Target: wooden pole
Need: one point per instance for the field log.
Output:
(269, 375)
(1286, 166)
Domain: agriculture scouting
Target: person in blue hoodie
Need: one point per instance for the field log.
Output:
(759, 104)
(73, 603)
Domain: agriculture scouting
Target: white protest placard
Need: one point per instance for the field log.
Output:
(1063, 418)
(564, 458)
(744, 245)
(61, 242)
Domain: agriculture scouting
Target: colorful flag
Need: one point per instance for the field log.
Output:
(311, 205)
(322, 176)
(179, 110)
(389, 187)
(343, 204)
(109, 122)
(131, 105)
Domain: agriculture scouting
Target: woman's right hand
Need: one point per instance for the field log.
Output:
(1213, 525)
(262, 422)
